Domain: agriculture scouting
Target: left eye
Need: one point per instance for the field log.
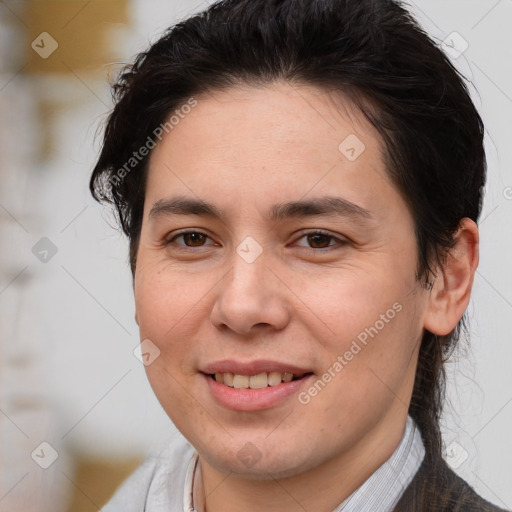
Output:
(320, 240)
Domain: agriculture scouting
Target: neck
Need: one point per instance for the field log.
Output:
(332, 482)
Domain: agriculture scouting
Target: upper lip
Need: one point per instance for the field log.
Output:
(252, 367)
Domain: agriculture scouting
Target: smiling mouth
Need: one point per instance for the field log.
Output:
(259, 381)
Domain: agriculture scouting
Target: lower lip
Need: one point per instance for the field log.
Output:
(254, 399)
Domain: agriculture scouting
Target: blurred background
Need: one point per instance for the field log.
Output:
(77, 414)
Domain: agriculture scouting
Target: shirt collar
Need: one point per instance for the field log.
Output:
(190, 483)
(384, 488)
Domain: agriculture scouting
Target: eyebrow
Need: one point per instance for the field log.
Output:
(326, 205)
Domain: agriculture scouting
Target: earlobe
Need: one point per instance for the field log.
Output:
(451, 290)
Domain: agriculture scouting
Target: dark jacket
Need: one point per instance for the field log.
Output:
(436, 488)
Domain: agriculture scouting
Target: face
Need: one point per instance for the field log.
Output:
(295, 278)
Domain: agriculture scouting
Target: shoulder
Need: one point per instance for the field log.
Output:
(161, 477)
(437, 487)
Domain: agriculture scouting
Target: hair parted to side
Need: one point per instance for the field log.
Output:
(371, 51)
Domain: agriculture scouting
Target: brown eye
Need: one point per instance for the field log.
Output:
(322, 241)
(190, 239)
(319, 240)
(193, 239)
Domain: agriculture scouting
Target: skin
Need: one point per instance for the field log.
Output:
(245, 149)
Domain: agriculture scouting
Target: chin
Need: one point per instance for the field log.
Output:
(254, 464)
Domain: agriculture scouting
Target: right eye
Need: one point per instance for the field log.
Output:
(191, 238)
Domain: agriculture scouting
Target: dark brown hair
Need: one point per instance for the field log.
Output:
(371, 50)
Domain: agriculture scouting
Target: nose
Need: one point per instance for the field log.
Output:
(250, 298)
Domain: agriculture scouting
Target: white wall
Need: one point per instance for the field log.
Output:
(80, 309)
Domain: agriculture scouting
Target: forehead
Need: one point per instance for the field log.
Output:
(301, 117)
(267, 143)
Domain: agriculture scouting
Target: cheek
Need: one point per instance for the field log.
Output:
(345, 302)
(374, 326)
(163, 299)
(167, 313)
(365, 374)
(165, 310)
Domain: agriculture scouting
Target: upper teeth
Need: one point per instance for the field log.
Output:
(262, 380)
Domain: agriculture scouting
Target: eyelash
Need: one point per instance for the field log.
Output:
(341, 242)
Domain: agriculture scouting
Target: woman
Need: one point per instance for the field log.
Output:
(300, 182)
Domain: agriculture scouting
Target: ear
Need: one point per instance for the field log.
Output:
(451, 291)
